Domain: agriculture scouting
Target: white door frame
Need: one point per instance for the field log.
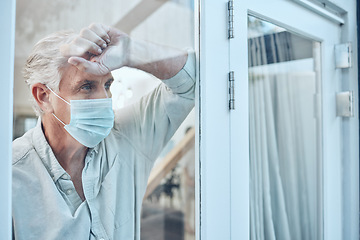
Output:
(7, 41)
(214, 216)
(224, 175)
(350, 127)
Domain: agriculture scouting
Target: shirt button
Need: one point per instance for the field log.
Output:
(69, 191)
(66, 177)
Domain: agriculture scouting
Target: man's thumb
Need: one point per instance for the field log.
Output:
(88, 66)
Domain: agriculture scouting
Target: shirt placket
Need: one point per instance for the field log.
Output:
(68, 188)
(88, 186)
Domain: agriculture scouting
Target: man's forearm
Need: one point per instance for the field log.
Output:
(162, 62)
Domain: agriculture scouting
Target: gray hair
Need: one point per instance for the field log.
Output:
(45, 62)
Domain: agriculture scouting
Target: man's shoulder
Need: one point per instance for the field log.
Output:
(22, 146)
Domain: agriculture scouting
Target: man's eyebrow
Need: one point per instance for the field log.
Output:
(84, 81)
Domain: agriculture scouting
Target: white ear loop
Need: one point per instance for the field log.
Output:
(58, 119)
(57, 95)
(61, 99)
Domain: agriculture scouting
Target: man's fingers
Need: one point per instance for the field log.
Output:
(93, 37)
(80, 46)
(88, 66)
(101, 30)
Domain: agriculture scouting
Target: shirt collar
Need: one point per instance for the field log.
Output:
(47, 156)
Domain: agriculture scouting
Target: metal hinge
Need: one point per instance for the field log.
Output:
(231, 90)
(345, 104)
(231, 19)
(343, 55)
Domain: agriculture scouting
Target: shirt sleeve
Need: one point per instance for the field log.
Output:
(150, 123)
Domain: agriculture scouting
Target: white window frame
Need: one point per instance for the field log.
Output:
(7, 41)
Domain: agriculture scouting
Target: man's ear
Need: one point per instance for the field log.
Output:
(41, 95)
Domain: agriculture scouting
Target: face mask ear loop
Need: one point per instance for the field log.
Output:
(59, 119)
(61, 99)
(57, 95)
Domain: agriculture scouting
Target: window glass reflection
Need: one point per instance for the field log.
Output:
(168, 209)
(285, 133)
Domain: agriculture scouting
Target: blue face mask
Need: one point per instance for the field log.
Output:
(91, 120)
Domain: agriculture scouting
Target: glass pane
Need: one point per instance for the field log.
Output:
(285, 133)
(167, 206)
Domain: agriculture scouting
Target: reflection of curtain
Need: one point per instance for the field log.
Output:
(282, 153)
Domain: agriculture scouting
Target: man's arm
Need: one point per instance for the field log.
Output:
(112, 49)
(150, 123)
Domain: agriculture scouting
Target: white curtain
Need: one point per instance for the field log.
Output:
(283, 177)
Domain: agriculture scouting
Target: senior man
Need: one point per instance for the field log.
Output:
(81, 173)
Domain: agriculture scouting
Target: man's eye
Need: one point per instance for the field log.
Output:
(86, 87)
(108, 85)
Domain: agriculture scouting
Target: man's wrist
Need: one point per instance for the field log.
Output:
(137, 54)
(160, 61)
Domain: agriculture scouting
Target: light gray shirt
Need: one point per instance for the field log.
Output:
(46, 205)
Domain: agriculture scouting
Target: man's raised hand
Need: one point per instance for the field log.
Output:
(98, 49)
